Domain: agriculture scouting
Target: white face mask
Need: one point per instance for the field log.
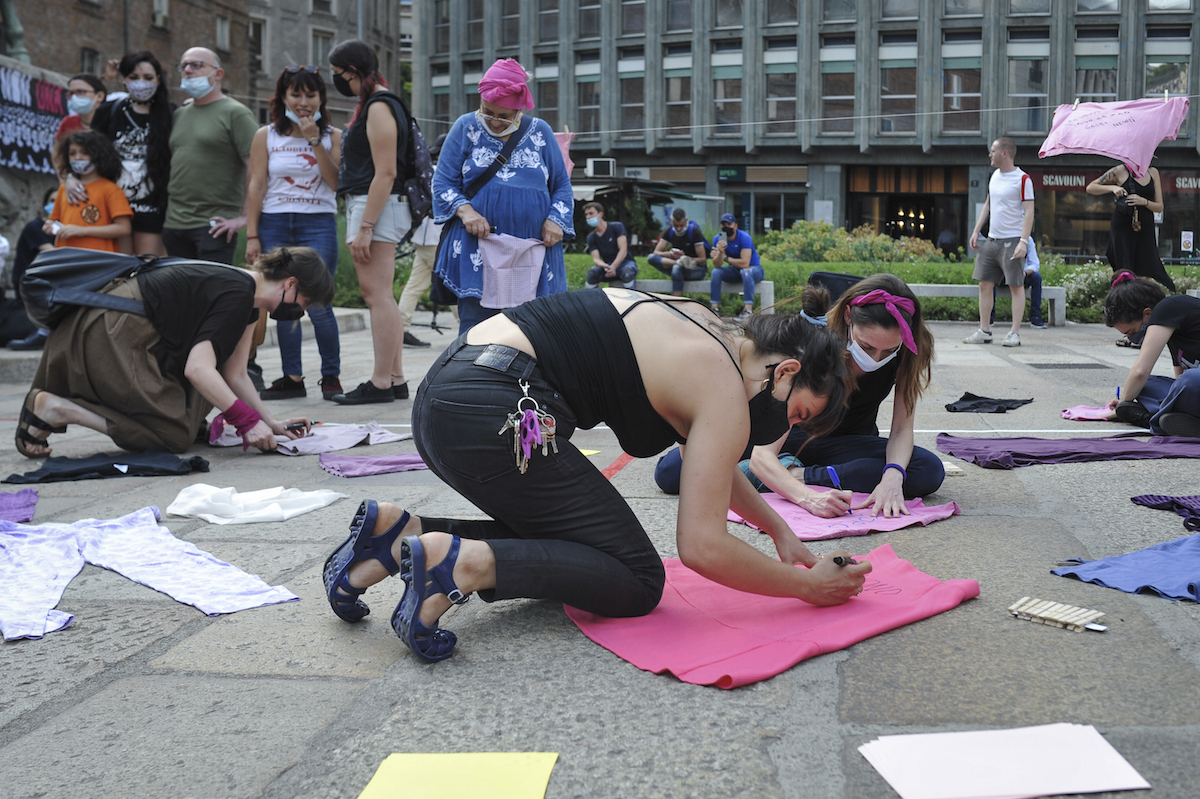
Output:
(512, 126)
(197, 87)
(865, 361)
(80, 105)
(295, 119)
(141, 90)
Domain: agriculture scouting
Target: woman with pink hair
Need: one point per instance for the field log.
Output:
(529, 196)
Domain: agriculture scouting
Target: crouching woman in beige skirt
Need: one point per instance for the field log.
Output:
(149, 382)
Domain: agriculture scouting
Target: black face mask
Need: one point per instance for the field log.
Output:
(728, 231)
(343, 86)
(769, 416)
(287, 311)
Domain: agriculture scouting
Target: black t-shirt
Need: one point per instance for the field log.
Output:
(358, 168)
(130, 135)
(606, 244)
(688, 241)
(862, 411)
(28, 242)
(190, 303)
(1181, 312)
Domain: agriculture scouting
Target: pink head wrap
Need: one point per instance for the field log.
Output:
(505, 84)
(1123, 277)
(893, 305)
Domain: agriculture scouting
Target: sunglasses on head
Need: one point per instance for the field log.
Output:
(298, 67)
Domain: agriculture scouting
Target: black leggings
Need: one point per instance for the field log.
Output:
(560, 531)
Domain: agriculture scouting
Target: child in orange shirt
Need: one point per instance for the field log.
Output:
(105, 216)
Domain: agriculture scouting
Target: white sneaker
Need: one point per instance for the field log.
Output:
(1011, 340)
(980, 336)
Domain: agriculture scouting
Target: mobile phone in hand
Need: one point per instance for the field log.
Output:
(55, 227)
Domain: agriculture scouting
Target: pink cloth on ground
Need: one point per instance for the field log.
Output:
(1086, 413)
(364, 465)
(1129, 131)
(707, 634)
(813, 528)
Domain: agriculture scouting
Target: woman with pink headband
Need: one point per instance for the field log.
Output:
(529, 197)
(880, 319)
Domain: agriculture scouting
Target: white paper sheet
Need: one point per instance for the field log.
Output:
(1001, 764)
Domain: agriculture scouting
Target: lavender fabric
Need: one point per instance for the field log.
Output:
(325, 438)
(363, 465)
(18, 507)
(1009, 453)
(1187, 507)
(1170, 569)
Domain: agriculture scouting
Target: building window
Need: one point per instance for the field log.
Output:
(547, 102)
(1169, 5)
(679, 15)
(160, 13)
(837, 97)
(679, 106)
(222, 37)
(780, 12)
(589, 19)
(1170, 76)
(441, 107)
(1096, 78)
(1023, 7)
(510, 23)
(633, 16)
(899, 9)
(781, 103)
(589, 110)
(322, 43)
(441, 26)
(963, 8)
(474, 24)
(1097, 6)
(255, 39)
(727, 102)
(548, 21)
(89, 61)
(322, 6)
(836, 10)
(961, 96)
(633, 108)
(729, 13)
(898, 97)
(1028, 95)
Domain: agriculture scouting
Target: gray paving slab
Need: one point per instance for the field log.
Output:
(142, 696)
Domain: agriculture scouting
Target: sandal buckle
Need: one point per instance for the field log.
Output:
(457, 597)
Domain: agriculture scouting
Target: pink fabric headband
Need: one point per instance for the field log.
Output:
(505, 84)
(893, 304)
(1122, 277)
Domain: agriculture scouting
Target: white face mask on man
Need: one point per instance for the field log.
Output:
(865, 361)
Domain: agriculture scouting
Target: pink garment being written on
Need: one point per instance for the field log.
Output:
(1129, 131)
(707, 634)
(512, 267)
(813, 528)
(1085, 413)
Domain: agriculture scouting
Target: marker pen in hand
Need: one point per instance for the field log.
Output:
(1118, 393)
(299, 425)
(840, 561)
(838, 485)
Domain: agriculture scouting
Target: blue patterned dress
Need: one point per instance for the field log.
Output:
(532, 187)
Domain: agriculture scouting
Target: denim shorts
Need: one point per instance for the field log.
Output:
(394, 220)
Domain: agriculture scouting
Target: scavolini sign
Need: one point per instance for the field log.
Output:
(1078, 179)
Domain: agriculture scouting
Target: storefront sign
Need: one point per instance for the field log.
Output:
(1185, 240)
(1061, 180)
(731, 174)
(1181, 182)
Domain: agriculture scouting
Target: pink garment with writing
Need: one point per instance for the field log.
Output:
(1129, 131)
(512, 267)
(813, 528)
(707, 634)
(1086, 413)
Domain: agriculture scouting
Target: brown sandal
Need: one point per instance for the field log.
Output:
(30, 419)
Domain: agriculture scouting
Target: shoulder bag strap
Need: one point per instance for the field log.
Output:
(481, 180)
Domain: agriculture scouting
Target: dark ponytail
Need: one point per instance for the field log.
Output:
(1127, 300)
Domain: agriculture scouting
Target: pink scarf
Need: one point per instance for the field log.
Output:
(505, 84)
(893, 305)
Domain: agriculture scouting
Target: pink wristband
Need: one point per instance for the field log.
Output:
(243, 418)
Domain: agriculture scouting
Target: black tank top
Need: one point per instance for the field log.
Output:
(357, 169)
(584, 351)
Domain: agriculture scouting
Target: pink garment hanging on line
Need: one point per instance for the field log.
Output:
(707, 634)
(1086, 413)
(1129, 131)
(512, 267)
(813, 528)
(564, 144)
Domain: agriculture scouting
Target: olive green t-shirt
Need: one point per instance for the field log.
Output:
(209, 145)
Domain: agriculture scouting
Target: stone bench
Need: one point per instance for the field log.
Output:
(1056, 295)
(764, 290)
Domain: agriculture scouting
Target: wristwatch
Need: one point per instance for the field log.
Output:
(314, 141)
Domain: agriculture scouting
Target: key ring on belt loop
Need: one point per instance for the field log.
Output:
(525, 390)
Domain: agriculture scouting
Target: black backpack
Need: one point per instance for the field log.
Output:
(416, 163)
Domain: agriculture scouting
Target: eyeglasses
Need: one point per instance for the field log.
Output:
(294, 68)
(505, 120)
(193, 65)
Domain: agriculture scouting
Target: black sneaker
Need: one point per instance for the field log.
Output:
(255, 373)
(365, 394)
(400, 390)
(35, 341)
(331, 386)
(1180, 424)
(284, 388)
(412, 341)
(1134, 413)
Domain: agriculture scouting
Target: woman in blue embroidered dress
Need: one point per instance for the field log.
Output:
(529, 197)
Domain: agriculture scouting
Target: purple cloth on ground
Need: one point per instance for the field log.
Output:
(18, 507)
(1170, 569)
(363, 465)
(1009, 453)
(1187, 507)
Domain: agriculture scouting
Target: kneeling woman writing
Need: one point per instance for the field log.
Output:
(656, 371)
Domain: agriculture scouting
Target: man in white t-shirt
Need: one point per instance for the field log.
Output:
(1001, 259)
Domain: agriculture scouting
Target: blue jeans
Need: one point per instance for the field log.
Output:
(626, 276)
(731, 274)
(318, 231)
(1163, 395)
(471, 313)
(1033, 282)
(678, 273)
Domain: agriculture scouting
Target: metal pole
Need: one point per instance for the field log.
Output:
(360, 15)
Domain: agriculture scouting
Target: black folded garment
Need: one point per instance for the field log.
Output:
(970, 403)
(94, 467)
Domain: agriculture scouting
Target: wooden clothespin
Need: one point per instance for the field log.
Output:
(1075, 104)
(1165, 96)
(566, 129)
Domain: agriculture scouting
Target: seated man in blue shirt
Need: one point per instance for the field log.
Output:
(609, 247)
(682, 252)
(734, 260)
(1033, 282)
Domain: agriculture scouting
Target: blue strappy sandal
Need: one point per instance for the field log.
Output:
(430, 644)
(359, 546)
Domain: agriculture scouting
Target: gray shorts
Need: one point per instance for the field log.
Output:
(996, 264)
(393, 222)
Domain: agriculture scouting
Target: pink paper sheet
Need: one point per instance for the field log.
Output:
(1085, 413)
(707, 634)
(813, 528)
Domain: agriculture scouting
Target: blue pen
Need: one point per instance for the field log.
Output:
(1118, 393)
(838, 485)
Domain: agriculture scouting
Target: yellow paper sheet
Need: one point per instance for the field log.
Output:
(590, 451)
(496, 775)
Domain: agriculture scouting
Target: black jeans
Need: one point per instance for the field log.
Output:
(560, 531)
(198, 243)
